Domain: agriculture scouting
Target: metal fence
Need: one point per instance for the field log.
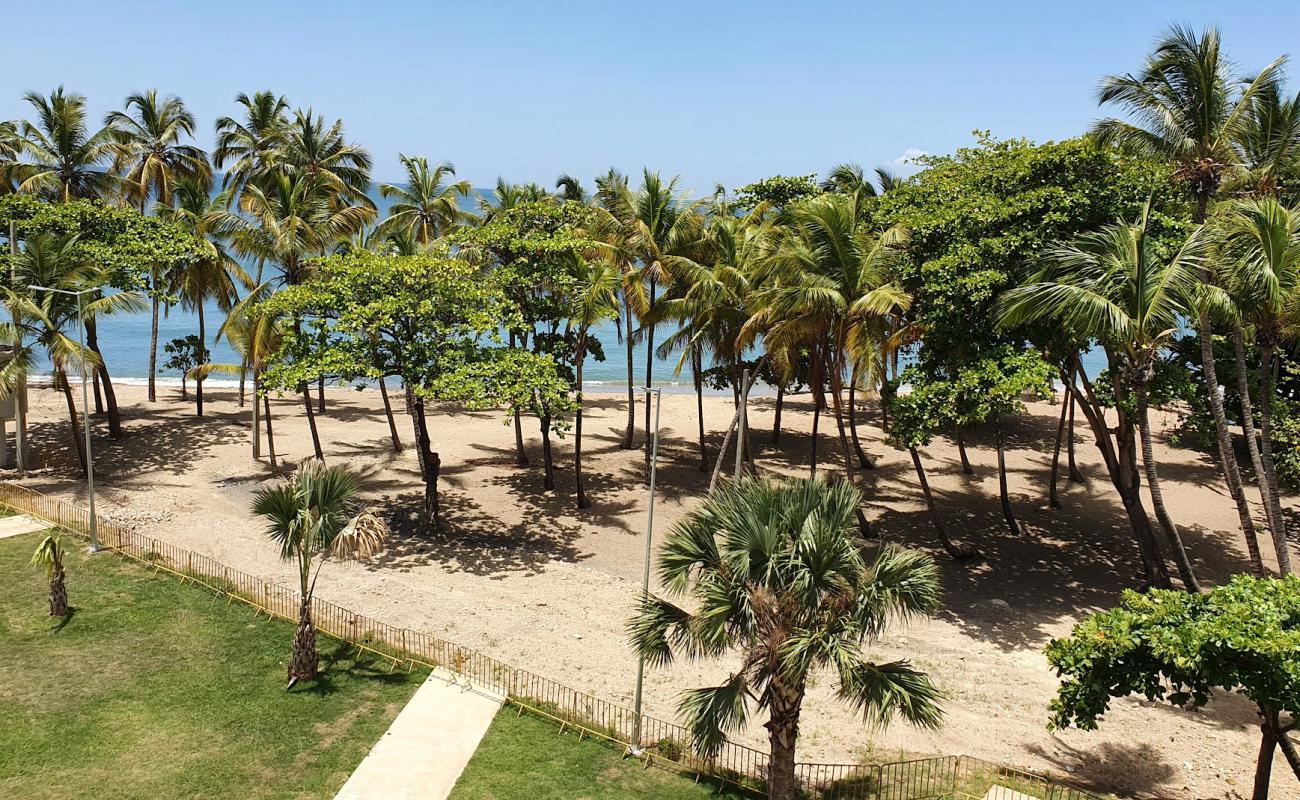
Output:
(665, 743)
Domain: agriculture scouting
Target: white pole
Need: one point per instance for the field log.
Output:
(85, 417)
(645, 578)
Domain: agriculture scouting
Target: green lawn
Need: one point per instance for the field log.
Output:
(155, 688)
(527, 758)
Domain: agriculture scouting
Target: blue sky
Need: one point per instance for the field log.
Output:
(714, 91)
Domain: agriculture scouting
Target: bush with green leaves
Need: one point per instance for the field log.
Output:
(1181, 649)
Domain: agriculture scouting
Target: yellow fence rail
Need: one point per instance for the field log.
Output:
(665, 743)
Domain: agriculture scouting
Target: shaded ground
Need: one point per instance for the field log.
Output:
(157, 689)
(524, 576)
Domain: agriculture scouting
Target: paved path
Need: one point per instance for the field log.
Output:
(19, 524)
(427, 746)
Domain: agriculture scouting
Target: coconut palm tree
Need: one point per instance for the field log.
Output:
(595, 298)
(506, 195)
(250, 147)
(425, 206)
(1269, 140)
(49, 556)
(311, 148)
(606, 228)
(287, 222)
(152, 155)
(570, 188)
(311, 517)
(775, 573)
(1190, 108)
(61, 158)
(1111, 286)
(218, 277)
(1259, 260)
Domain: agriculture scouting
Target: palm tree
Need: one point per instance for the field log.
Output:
(43, 316)
(217, 277)
(570, 188)
(313, 516)
(1269, 139)
(152, 157)
(311, 148)
(1189, 108)
(1260, 264)
(10, 149)
(292, 219)
(606, 228)
(775, 572)
(595, 299)
(506, 195)
(425, 205)
(251, 146)
(49, 556)
(64, 159)
(1112, 286)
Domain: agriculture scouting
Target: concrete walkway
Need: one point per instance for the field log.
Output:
(19, 524)
(427, 747)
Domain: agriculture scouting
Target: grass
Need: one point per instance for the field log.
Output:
(155, 688)
(527, 758)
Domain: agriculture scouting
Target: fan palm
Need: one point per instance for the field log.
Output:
(49, 556)
(218, 277)
(1188, 107)
(1112, 287)
(251, 146)
(151, 155)
(595, 298)
(426, 206)
(775, 572)
(311, 517)
(63, 158)
(1259, 254)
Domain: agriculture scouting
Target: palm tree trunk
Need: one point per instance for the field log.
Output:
(101, 371)
(257, 422)
(785, 701)
(521, 455)
(388, 415)
(837, 388)
(311, 423)
(863, 461)
(961, 451)
(58, 589)
(61, 377)
(96, 392)
(243, 375)
(1007, 513)
(959, 552)
(304, 663)
(818, 397)
(320, 394)
(579, 357)
(629, 435)
(270, 434)
(1266, 456)
(1075, 475)
(1052, 500)
(1256, 461)
(776, 423)
(1227, 456)
(698, 379)
(153, 346)
(198, 379)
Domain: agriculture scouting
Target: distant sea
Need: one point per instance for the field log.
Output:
(124, 340)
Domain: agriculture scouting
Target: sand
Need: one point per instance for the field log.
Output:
(522, 575)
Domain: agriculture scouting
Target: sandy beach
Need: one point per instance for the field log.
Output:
(522, 575)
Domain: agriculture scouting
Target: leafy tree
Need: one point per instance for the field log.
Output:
(1180, 648)
(417, 318)
(64, 159)
(776, 572)
(184, 355)
(49, 556)
(311, 517)
(777, 192)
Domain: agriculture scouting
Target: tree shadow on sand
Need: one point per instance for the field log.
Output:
(1127, 770)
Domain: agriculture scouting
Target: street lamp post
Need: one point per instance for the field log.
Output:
(85, 401)
(636, 749)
